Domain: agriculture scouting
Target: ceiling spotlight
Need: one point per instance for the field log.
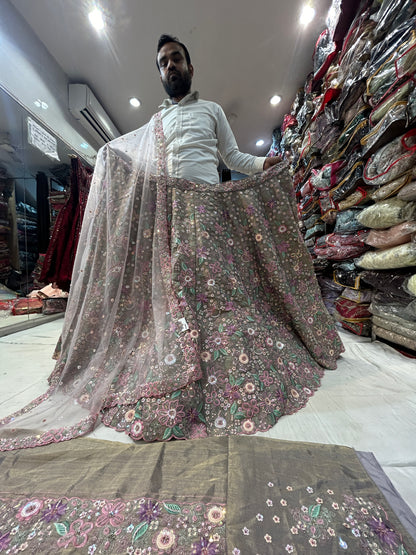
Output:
(96, 19)
(274, 101)
(307, 15)
(135, 102)
(84, 145)
(260, 142)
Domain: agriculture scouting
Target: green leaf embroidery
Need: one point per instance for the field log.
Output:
(168, 433)
(231, 379)
(223, 352)
(172, 508)
(239, 381)
(62, 528)
(220, 328)
(198, 305)
(192, 290)
(239, 415)
(216, 354)
(176, 394)
(140, 530)
(177, 431)
(314, 510)
(402, 550)
(184, 266)
(233, 408)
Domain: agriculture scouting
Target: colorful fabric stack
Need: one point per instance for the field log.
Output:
(351, 140)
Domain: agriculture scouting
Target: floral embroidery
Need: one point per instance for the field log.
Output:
(357, 524)
(144, 525)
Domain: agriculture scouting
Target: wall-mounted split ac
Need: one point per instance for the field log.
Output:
(85, 107)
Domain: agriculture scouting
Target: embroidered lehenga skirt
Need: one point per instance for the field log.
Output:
(194, 309)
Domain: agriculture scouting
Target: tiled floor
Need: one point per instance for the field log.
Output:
(368, 403)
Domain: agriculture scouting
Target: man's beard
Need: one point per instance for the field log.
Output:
(179, 86)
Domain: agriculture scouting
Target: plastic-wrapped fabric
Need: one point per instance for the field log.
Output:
(395, 257)
(356, 50)
(320, 265)
(391, 284)
(411, 107)
(387, 213)
(352, 134)
(311, 221)
(396, 235)
(330, 95)
(391, 14)
(398, 339)
(349, 183)
(358, 197)
(380, 82)
(352, 91)
(392, 125)
(406, 63)
(317, 229)
(27, 306)
(396, 327)
(347, 221)
(359, 328)
(310, 243)
(346, 274)
(357, 295)
(324, 53)
(408, 192)
(329, 288)
(328, 208)
(409, 285)
(400, 94)
(352, 311)
(338, 240)
(326, 177)
(54, 305)
(389, 189)
(394, 309)
(390, 43)
(340, 253)
(392, 160)
(351, 112)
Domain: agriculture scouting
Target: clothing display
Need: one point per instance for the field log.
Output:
(360, 183)
(193, 310)
(59, 258)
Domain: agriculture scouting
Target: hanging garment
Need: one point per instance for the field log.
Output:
(193, 310)
(60, 256)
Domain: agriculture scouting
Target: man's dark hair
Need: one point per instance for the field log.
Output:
(164, 39)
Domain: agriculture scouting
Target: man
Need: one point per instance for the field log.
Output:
(196, 130)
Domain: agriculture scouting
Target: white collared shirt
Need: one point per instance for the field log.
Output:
(196, 131)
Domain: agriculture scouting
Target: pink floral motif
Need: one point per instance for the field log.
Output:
(112, 513)
(77, 534)
(171, 413)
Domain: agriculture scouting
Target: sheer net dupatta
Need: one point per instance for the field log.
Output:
(125, 335)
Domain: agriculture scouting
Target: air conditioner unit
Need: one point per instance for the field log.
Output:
(85, 107)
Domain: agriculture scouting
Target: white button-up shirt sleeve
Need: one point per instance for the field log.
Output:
(230, 153)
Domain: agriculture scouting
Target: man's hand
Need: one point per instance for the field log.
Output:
(270, 162)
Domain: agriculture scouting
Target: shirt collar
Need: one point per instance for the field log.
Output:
(192, 96)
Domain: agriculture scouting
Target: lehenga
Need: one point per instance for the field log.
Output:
(194, 310)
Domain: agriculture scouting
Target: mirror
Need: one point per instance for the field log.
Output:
(34, 185)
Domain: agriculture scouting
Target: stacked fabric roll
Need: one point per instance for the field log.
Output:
(351, 140)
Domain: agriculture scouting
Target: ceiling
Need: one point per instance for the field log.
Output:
(243, 52)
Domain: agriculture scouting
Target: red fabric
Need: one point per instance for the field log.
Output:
(59, 258)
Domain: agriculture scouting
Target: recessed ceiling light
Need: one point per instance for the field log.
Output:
(275, 100)
(307, 15)
(135, 102)
(84, 145)
(260, 142)
(96, 19)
